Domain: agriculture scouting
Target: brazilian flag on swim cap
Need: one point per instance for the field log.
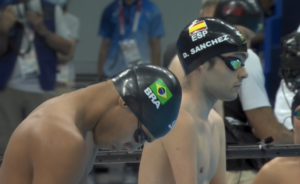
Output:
(161, 91)
(153, 94)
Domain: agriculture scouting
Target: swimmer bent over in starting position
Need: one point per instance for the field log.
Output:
(50, 147)
(212, 54)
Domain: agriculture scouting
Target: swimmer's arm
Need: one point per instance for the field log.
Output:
(66, 58)
(181, 147)
(153, 154)
(220, 176)
(265, 125)
(58, 159)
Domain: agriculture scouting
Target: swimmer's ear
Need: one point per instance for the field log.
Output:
(121, 102)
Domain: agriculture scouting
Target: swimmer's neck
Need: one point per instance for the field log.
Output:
(198, 103)
(94, 102)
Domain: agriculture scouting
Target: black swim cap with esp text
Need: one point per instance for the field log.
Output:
(206, 38)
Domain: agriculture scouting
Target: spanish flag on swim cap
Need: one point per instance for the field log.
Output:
(200, 26)
(205, 38)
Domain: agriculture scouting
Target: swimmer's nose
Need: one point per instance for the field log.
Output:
(243, 74)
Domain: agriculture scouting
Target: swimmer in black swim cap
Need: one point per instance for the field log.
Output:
(212, 54)
(62, 135)
(246, 15)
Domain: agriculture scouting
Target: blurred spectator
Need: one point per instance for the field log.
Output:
(65, 78)
(283, 103)
(268, 7)
(131, 32)
(28, 48)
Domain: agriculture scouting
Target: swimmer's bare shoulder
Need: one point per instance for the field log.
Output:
(181, 147)
(271, 173)
(172, 157)
(57, 149)
(58, 154)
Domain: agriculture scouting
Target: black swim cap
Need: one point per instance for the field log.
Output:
(290, 60)
(157, 91)
(206, 38)
(246, 13)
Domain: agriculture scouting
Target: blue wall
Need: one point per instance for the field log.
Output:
(285, 20)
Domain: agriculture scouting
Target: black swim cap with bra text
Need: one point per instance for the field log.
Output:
(153, 94)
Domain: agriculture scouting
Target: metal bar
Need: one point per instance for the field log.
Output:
(111, 157)
(256, 151)
(232, 152)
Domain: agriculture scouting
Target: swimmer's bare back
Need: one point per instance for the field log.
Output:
(193, 152)
(47, 148)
